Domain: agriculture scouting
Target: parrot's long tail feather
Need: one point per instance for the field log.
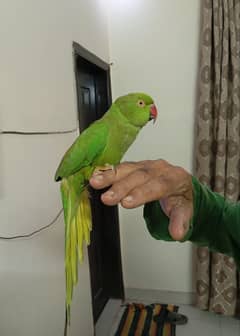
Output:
(78, 224)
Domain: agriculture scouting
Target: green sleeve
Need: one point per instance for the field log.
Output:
(215, 222)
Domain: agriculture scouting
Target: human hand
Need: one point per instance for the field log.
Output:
(133, 184)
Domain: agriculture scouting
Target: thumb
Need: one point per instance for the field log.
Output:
(179, 222)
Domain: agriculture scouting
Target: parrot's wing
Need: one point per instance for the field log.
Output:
(84, 150)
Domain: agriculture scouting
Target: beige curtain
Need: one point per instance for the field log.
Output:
(218, 140)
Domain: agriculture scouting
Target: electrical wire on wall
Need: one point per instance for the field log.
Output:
(33, 233)
(28, 235)
(38, 133)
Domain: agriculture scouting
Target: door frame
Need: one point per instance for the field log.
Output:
(80, 51)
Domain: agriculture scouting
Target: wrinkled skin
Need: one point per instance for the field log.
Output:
(133, 184)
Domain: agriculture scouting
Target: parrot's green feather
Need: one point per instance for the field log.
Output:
(103, 142)
(84, 150)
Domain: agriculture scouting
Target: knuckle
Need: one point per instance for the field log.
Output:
(180, 171)
(138, 197)
(121, 188)
(147, 164)
(150, 192)
(143, 174)
(161, 179)
(162, 164)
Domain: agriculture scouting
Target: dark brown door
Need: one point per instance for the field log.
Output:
(104, 251)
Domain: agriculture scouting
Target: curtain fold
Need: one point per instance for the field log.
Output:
(218, 141)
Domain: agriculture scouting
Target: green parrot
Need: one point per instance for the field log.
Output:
(103, 143)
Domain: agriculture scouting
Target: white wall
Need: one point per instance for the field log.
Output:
(154, 48)
(37, 90)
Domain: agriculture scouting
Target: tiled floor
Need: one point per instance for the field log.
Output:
(200, 323)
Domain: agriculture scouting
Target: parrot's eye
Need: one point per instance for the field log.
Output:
(141, 103)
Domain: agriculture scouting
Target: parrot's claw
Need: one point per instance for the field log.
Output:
(100, 169)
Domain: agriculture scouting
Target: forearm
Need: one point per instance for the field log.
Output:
(215, 223)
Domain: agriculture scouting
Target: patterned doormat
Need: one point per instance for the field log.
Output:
(139, 320)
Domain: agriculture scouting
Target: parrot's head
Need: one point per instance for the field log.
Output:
(138, 108)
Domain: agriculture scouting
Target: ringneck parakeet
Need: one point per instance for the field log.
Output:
(104, 142)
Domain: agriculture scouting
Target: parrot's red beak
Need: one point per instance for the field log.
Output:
(153, 113)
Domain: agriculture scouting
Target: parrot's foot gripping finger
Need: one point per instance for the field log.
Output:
(100, 169)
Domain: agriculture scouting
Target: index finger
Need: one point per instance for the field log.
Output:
(103, 179)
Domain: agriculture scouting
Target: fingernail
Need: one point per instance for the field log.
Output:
(97, 177)
(109, 193)
(96, 173)
(128, 199)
